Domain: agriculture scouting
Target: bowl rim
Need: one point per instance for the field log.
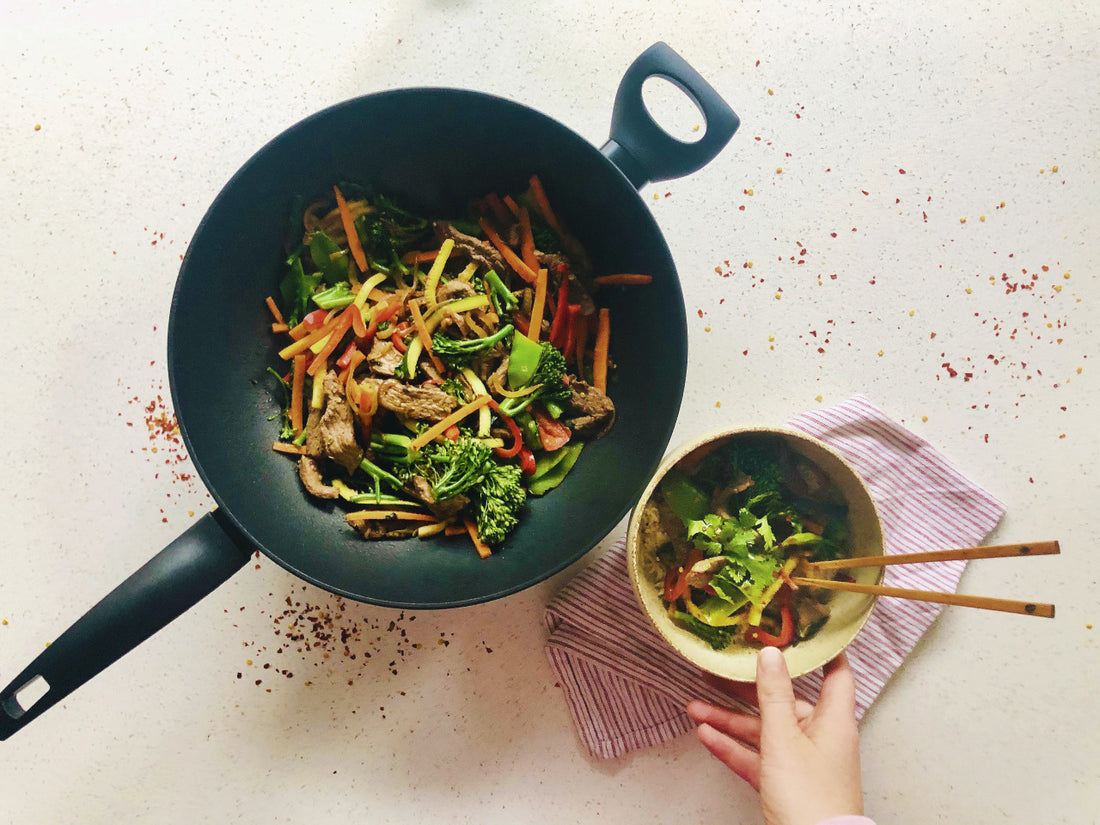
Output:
(687, 644)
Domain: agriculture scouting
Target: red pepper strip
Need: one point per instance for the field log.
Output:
(786, 628)
(527, 461)
(398, 337)
(315, 319)
(381, 312)
(676, 577)
(513, 428)
(522, 322)
(573, 311)
(343, 324)
(559, 325)
(344, 361)
(452, 433)
(553, 433)
(786, 631)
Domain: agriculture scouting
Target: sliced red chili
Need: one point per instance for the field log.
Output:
(398, 337)
(513, 428)
(344, 361)
(559, 326)
(527, 461)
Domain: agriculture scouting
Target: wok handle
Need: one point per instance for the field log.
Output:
(170, 583)
(645, 152)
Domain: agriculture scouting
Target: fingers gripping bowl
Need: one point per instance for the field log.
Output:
(819, 507)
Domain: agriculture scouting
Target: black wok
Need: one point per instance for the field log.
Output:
(434, 150)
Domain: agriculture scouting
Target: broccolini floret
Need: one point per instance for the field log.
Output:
(458, 353)
(549, 375)
(465, 463)
(498, 500)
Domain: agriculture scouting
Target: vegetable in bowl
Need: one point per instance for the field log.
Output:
(721, 530)
(733, 529)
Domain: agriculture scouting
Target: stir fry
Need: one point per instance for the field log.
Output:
(727, 529)
(437, 372)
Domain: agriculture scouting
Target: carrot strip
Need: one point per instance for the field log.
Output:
(302, 344)
(277, 328)
(392, 515)
(513, 207)
(454, 530)
(278, 316)
(527, 240)
(439, 427)
(343, 324)
(538, 307)
(539, 194)
(510, 256)
(482, 548)
(423, 334)
(599, 356)
(419, 257)
(297, 392)
(349, 229)
(288, 448)
(622, 279)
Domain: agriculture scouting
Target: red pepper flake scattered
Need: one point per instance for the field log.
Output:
(165, 449)
(901, 171)
(333, 640)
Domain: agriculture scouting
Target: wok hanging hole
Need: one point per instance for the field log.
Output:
(673, 109)
(26, 697)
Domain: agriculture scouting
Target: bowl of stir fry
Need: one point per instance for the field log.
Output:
(726, 523)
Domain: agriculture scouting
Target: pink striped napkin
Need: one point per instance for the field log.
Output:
(626, 687)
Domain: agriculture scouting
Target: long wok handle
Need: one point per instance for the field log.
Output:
(645, 152)
(170, 583)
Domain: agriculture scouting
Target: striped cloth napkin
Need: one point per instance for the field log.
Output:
(626, 688)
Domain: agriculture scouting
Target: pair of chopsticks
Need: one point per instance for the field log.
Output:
(996, 551)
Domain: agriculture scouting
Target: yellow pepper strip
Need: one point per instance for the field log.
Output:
(484, 415)
(360, 516)
(434, 274)
(756, 612)
(317, 400)
(364, 291)
(466, 274)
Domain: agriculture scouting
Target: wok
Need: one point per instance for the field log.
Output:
(433, 150)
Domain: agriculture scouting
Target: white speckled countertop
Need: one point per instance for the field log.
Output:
(909, 211)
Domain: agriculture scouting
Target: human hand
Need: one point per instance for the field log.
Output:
(802, 759)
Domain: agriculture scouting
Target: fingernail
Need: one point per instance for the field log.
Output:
(771, 660)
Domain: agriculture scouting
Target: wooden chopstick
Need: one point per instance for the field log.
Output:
(985, 603)
(993, 551)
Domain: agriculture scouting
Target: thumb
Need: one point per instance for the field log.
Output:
(775, 694)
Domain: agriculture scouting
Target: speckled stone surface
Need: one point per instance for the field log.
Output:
(908, 212)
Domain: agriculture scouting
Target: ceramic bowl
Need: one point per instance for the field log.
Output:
(848, 611)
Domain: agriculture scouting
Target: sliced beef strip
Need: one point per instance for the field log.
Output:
(454, 289)
(421, 489)
(480, 252)
(589, 413)
(383, 357)
(314, 446)
(338, 426)
(420, 403)
(310, 473)
(387, 528)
